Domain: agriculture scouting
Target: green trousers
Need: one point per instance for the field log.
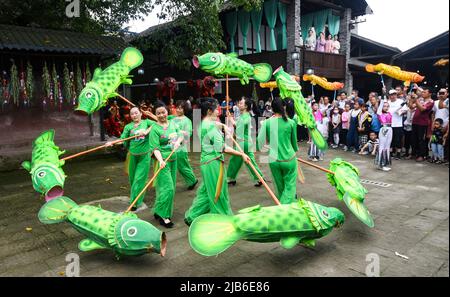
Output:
(212, 195)
(185, 169)
(138, 170)
(165, 185)
(236, 163)
(285, 176)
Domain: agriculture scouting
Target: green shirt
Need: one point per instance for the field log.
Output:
(185, 126)
(282, 138)
(243, 131)
(139, 145)
(212, 140)
(162, 139)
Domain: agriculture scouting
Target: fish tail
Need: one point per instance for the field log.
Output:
(48, 135)
(212, 234)
(132, 57)
(262, 72)
(56, 210)
(318, 139)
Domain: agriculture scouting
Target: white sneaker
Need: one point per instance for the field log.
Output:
(386, 169)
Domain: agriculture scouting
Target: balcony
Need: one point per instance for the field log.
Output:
(331, 66)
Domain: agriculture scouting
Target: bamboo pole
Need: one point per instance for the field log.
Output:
(149, 183)
(315, 166)
(97, 148)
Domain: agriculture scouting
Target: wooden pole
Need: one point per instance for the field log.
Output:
(97, 148)
(315, 166)
(126, 100)
(149, 183)
(260, 178)
(227, 98)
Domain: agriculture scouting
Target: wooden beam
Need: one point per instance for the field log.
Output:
(427, 58)
(372, 57)
(326, 4)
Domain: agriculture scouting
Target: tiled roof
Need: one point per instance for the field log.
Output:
(45, 40)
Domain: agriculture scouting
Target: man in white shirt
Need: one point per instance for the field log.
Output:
(395, 105)
(440, 108)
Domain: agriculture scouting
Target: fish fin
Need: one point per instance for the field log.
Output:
(211, 234)
(262, 72)
(48, 135)
(97, 73)
(308, 242)
(318, 139)
(26, 165)
(55, 211)
(127, 81)
(61, 152)
(289, 242)
(396, 67)
(359, 210)
(87, 245)
(232, 55)
(61, 163)
(132, 57)
(250, 209)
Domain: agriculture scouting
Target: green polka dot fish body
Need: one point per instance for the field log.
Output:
(125, 234)
(105, 82)
(299, 222)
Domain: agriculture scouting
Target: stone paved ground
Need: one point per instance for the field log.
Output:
(411, 218)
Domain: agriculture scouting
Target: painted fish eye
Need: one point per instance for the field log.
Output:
(41, 174)
(213, 58)
(88, 95)
(325, 213)
(132, 231)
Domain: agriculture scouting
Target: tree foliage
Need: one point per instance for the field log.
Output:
(195, 28)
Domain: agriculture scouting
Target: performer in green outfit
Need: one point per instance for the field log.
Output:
(243, 128)
(139, 149)
(164, 138)
(185, 126)
(212, 195)
(281, 133)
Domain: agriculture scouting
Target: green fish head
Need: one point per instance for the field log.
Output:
(134, 235)
(49, 181)
(90, 100)
(208, 62)
(329, 217)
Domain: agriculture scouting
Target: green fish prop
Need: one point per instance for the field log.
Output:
(220, 65)
(105, 83)
(45, 167)
(290, 224)
(289, 88)
(125, 234)
(349, 188)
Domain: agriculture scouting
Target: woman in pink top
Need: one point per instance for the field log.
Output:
(329, 44)
(321, 42)
(384, 156)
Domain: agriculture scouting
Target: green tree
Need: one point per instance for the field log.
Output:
(196, 28)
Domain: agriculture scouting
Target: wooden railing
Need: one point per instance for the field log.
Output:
(323, 64)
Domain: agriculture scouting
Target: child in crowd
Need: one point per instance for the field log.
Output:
(314, 152)
(364, 123)
(371, 147)
(345, 119)
(407, 126)
(336, 126)
(384, 157)
(437, 142)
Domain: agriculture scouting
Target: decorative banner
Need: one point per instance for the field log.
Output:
(396, 73)
(45, 167)
(323, 82)
(46, 85)
(300, 222)
(23, 88)
(14, 86)
(125, 234)
(105, 82)
(55, 83)
(30, 84)
(221, 65)
(67, 84)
